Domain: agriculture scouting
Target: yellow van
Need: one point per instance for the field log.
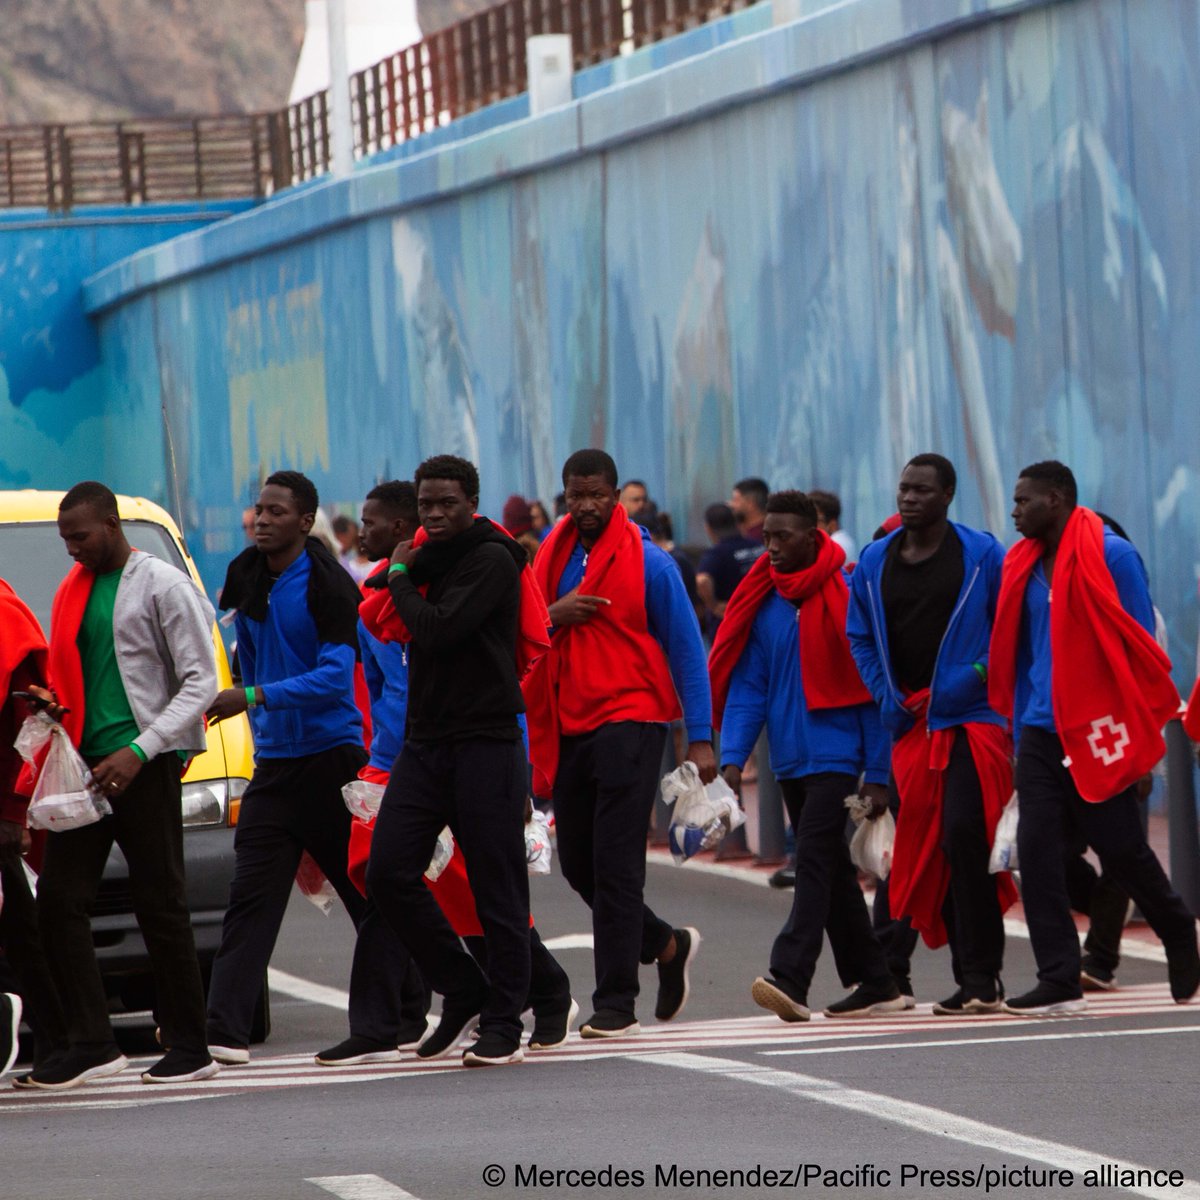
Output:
(34, 561)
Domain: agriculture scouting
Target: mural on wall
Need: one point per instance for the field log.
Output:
(977, 246)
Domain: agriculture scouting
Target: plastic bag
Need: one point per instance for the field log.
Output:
(537, 844)
(1004, 845)
(311, 881)
(363, 799)
(64, 796)
(702, 815)
(442, 853)
(871, 845)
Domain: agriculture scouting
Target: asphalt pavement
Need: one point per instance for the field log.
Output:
(725, 1101)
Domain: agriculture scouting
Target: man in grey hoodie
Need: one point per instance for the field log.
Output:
(133, 669)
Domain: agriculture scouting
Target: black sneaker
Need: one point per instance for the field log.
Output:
(1045, 1001)
(952, 1006)
(1183, 969)
(449, 1031)
(785, 877)
(551, 1029)
(972, 1004)
(229, 1054)
(778, 998)
(673, 975)
(493, 1050)
(76, 1067)
(10, 1020)
(357, 1050)
(905, 988)
(608, 1023)
(181, 1066)
(1094, 978)
(868, 1001)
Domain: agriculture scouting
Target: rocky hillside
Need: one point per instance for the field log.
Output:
(72, 60)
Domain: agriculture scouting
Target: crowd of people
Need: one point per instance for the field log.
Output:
(538, 659)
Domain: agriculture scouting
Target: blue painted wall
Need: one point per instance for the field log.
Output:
(55, 388)
(808, 253)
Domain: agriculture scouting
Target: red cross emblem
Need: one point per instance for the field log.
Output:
(1108, 740)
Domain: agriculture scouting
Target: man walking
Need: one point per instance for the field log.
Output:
(297, 614)
(133, 669)
(781, 658)
(1075, 664)
(461, 598)
(625, 642)
(921, 606)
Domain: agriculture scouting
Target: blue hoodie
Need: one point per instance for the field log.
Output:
(385, 668)
(958, 694)
(766, 685)
(307, 686)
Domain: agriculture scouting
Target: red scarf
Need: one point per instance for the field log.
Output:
(1191, 718)
(920, 871)
(379, 614)
(1112, 687)
(22, 639)
(607, 669)
(827, 669)
(66, 667)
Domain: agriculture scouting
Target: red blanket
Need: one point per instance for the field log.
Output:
(379, 614)
(607, 669)
(22, 639)
(1112, 684)
(827, 669)
(66, 667)
(920, 871)
(1191, 718)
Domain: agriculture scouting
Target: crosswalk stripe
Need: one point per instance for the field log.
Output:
(360, 1187)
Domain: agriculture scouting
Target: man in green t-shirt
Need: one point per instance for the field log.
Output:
(132, 669)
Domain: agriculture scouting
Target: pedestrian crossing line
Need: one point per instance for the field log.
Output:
(762, 1033)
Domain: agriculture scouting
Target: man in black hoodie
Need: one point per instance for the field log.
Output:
(463, 763)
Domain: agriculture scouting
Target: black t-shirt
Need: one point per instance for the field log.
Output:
(728, 563)
(918, 600)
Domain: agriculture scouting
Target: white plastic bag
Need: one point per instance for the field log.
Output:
(363, 799)
(702, 815)
(442, 853)
(1004, 845)
(537, 844)
(871, 845)
(64, 796)
(311, 881)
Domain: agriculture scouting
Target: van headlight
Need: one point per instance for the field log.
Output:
(206, 805)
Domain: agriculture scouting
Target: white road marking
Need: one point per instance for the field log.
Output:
(305, 989)
(932, 1122)
(361, 1187)
(570, 941)
(992, 1041)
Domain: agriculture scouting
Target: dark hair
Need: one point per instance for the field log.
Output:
(797, 504)
(754, 489)
(828, 504)
(720, 519)
(947, 476)
(398, 497)
(635, 483)
(301, 487)
(99, 497)
(453, 468)
(590, 462)
(1056, 475)
(663, 527)
(1114, 525)
(343, 524)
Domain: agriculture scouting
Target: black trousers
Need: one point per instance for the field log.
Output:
(549, 984)
(603, 796)
(22, 945)
(1105, 904)
(147, 824)
(827, 897)
(477, 787)
(293, 805)
(1052, 814)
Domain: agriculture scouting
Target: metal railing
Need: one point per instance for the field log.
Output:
(450, 73)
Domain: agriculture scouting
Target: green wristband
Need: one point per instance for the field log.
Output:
(982, 671)
(251, 699)
(398, 569)
(138, 751)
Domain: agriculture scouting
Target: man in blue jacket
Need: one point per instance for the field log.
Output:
(922, 601)
(821, 741)
(297, 617)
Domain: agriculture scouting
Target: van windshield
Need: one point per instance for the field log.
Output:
(33, 560)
